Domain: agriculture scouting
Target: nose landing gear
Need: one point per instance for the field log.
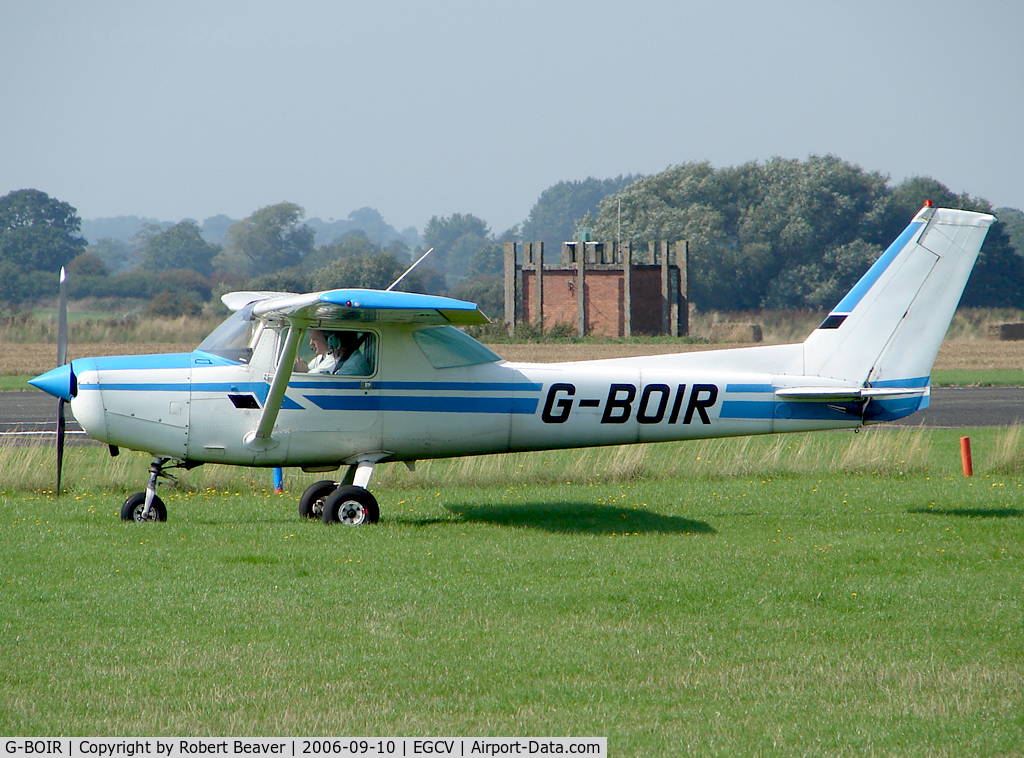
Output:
(145, 507)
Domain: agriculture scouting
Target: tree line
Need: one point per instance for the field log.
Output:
(787, 234)
(779, 234)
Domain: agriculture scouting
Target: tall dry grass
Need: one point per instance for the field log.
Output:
(973, 323)
(886, 452)
(29, 329)
(1007, 454)
(31, 467)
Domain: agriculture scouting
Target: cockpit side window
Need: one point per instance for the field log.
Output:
(338, 352)
(233, 338)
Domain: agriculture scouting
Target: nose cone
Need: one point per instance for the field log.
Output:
(59, 382)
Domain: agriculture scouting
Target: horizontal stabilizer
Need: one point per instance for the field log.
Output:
(847, 395)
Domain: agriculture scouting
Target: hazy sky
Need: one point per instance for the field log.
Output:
(181, 109)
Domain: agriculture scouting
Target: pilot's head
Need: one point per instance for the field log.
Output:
(318, 341)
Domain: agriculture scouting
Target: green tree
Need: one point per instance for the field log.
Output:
(186, 281)
(1013, 222)
(997, 280)
(180, 247)
(376, 270)
(294, 279)
(170, 304)
(87, 264)
(455, 239)
(37, 232)
(756, 231)
(116, 255)
(559, 208)
(488, 292)
(272, 238)
(351, 245)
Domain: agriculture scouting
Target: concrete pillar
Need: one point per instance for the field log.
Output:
(538, 267)
(511, 296)
(581, 288)
(626, 252)
(683, 295)
(666, 310)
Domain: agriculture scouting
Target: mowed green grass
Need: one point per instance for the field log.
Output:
(787, 609)
(983, 377)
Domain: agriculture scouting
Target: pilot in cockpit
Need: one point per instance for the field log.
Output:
(325, 360)
(351, 361)
(336, 353)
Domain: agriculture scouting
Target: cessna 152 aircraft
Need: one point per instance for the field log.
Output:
(406, 384)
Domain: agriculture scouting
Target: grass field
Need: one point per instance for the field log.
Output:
(829, 594)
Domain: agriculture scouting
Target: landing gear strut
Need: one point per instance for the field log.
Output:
(143, 507)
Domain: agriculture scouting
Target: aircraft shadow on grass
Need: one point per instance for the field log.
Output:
(971, 512)
(572, 518)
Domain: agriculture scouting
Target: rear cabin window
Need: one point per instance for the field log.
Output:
(447, 347)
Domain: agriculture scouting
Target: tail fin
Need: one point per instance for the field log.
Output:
(887, 331)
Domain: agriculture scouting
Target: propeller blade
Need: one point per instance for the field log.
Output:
(62, 358)
(60, 442)
(62, 321)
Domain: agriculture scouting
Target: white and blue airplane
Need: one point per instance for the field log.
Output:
(424, 389)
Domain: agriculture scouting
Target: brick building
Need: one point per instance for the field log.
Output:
(598, 290)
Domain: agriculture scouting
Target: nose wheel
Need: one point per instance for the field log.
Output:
(134, 509)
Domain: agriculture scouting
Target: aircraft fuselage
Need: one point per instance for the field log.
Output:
(198, 407)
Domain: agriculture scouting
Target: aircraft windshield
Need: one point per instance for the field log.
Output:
(447, 347)
(232, 339)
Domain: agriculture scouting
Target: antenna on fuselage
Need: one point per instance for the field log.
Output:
(406, 272)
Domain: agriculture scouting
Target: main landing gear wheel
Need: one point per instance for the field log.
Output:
(352, 506)
(311, 504)
(136, 504)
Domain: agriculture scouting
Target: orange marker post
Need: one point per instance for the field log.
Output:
(965, 456)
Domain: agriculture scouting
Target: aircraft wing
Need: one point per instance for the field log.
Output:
(235, 301)
(365, 306)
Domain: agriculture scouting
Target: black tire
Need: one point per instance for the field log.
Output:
(311, 504)
(136, 504)
(352, 506)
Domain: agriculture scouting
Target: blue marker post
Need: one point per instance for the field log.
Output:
(278, 481)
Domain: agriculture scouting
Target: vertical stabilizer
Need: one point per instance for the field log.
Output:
(887, 331)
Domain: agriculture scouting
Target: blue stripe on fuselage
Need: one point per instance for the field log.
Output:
(425, 403)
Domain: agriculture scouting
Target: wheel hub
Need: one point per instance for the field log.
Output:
(352, 513)
(151, 516)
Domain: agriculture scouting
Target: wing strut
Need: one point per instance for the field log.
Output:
(260, 439)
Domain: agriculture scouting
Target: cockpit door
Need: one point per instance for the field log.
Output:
(345, 395)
